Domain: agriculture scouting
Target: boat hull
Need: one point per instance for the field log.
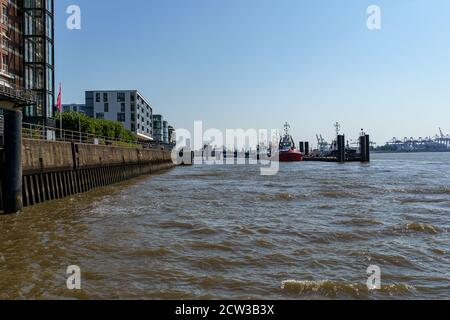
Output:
(291, 156)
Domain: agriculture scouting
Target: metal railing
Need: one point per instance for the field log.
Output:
(39, 132)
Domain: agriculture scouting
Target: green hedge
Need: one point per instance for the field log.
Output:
(98, 127)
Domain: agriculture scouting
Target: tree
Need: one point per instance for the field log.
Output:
(100, 128)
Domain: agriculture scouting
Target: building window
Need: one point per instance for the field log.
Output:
(121, 97)
(105, 97)
(5, 15)
(4, 63)
(121, 117)
(133, 107)
(133, 127)
(106, 107)
(97, 97)
(132, 97)
(100, 115)
(5, 41)
(122, 107)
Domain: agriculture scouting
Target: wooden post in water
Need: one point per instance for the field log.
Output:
(247, 157)
(341, 148)
(301, 146)
(362, 147)
(364, 144)
(367, 148)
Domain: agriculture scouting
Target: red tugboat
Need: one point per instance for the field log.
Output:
(287, 150)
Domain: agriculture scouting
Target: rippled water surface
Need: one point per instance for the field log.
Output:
(309, 232)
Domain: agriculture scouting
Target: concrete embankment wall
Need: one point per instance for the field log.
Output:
(54, 170)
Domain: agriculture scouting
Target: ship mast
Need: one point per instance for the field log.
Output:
(338, 128)
(286, 128)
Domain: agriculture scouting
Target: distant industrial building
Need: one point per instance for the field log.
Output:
(439, 142)
(126, 106)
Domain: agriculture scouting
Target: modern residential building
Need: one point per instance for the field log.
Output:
(126, 106)
(39, 64)
(172, 137)
(27, 56)
(162, 131)
(158, 129)
(165, 132)
(78, 108)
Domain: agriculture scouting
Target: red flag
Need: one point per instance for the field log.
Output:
(58, 100)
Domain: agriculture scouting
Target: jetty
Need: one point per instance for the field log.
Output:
(342, 154)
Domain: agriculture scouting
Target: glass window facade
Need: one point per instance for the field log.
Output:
(38, 33)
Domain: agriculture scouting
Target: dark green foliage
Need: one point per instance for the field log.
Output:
(100, 128)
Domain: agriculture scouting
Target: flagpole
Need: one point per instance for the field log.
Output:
(60, 123)
(60, 111)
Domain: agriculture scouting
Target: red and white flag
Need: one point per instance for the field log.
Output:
(58, 100)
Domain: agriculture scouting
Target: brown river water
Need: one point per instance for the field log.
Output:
(225, 232)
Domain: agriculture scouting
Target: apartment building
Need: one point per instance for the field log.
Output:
(11, 60)
(78, 108)
(172, 137)
(158, 129)
(126, 106)
(165, 132)
(162, 131)
(27, 55)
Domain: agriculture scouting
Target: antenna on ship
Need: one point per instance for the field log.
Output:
(286, 128)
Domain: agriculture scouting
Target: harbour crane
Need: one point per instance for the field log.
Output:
(322, 145)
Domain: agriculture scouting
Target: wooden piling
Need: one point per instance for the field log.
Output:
(341, 149)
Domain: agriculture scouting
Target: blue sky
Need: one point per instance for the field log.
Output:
(259, 63)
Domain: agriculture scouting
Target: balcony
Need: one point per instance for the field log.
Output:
(13, 96)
